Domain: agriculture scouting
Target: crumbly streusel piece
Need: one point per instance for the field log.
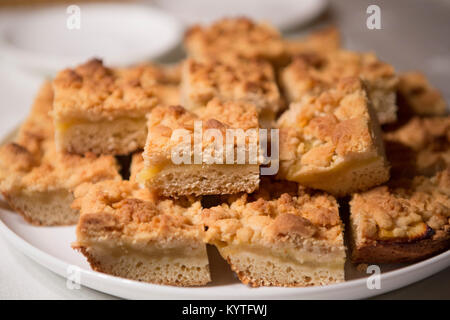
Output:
(315, 72)
(333, 141)
(409, 218)
(417, 96)
(189, 154)
(128, 232)
(283, 235)
(102, 110)
(241, 37)
(251, 81)
(36, 180)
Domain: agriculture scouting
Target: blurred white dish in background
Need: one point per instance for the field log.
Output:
(283, 14)
(40, 39)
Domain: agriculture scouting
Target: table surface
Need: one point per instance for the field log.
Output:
(414, 36)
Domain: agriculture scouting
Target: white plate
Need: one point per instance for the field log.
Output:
(50, 247)
(289, 13)
(121, 34)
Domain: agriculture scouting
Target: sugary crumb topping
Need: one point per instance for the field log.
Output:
(95, 92)
(228, 38)
(323, 41)
(292, 214)
(418, 209)
(249, 80)
(320, 129)
(123, 207)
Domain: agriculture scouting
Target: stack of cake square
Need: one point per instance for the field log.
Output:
(347, 130)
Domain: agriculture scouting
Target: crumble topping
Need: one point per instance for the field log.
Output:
(312, 73)
(228, 38)
(162, 121)
(290, 216)
(249, 80)
(333, 124)
(405, 212)
(321, 71)
(95, 92)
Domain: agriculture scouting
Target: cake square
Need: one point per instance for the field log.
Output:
(129, 232)
(251, 81)
(212, 151)
(316, 72)
(102, 110)
(36, 180)
(333, 141)
(283, 235)
(231, 37)
(408, 218)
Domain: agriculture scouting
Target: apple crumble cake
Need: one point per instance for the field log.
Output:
(36, 180)
(215, 161)
(333, 141)
(241, 37)
(250, 81)
(314, 72)
(129, 232)
(408, 218)
(283, 235)
(102, 110)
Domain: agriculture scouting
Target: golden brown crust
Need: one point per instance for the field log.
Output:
(388, 252)
(249, 81)
(94, 92)
(228, 38)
